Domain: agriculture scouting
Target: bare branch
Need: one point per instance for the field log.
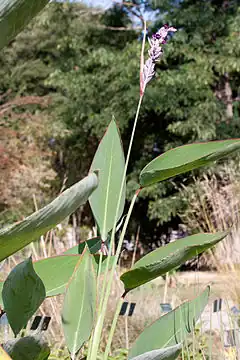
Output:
(119, 28)
(26, 100)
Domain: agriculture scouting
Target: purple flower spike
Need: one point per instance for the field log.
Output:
(155, 53)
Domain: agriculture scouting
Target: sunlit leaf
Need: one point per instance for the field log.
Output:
(171, 329)
(169, 353)
(80, 304)
(185, 158)
(168, 257)
(15, 15)
(16, 236)
(55, 272)
(109, 160)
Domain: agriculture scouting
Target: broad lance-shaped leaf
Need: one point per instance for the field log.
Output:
(55, 272)
(168, 257)
(109, 160)
(80, 304)
(171, 329)
(185, 158)
(14, 15)
(23, 292)
(169, 353)
(16, 236)
(27, 348)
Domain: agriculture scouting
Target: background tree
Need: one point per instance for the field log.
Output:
(87, 61)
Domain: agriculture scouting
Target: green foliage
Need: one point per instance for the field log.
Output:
(23, 292)
(185, 103)
(79, 306)
(177, 325)
(168, 258)
(199, 347)
(17, 236)
(185, 158)
(27, 348)
(109, 161)
(56, 281)
(15, 15)
(169, 353)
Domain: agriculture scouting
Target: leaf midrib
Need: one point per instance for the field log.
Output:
(107, 195)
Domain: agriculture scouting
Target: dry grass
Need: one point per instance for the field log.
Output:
(25, 157)
(215, 206)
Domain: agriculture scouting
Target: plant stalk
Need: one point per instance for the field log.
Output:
(125, 168)
(106, 288)
(102, 312)
(113, 327)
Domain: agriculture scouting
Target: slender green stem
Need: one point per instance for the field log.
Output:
(142, 86)
(89, 348)
(98, 285)
(99, 269)
(113, 327)
(106, 287)
(102, 312)
(126, 166)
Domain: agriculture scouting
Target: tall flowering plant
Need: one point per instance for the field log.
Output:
(86, 273)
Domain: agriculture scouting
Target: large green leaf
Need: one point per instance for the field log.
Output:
(56, 271)
(16, 236)
(185, 158)
(168, 257)
(80, 304)
(109, 160)
(172, 328)
(169, 353)
(27, 348)
(14, 15)
(23, 292)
